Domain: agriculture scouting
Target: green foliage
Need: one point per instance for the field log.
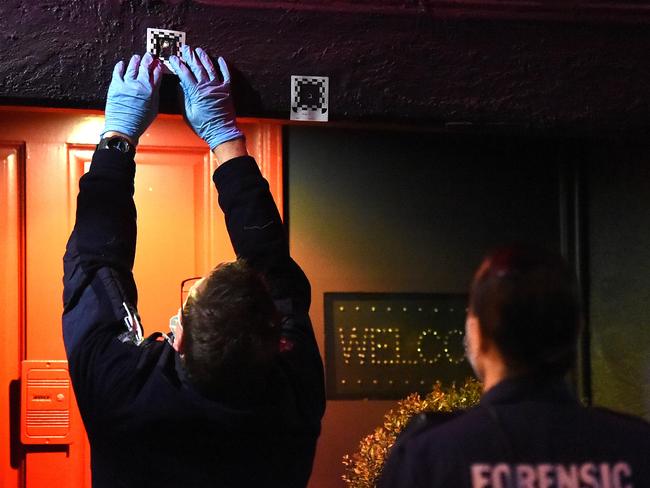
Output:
(362, 469)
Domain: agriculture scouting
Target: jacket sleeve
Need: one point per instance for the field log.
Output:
(100, 320)
(256, 230)
(258, 236)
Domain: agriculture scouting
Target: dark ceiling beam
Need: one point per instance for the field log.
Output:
(405, 67)
(556, 10)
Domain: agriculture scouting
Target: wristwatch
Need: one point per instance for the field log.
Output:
(117, 142)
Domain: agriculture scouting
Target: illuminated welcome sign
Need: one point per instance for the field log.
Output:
(386, 345)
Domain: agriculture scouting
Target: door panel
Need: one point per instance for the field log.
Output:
(12, 195)
(180, 234)
(167, 200)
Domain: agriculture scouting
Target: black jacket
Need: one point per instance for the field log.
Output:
(524, 433)
(146, 424)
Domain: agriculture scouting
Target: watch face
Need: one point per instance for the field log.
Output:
(120, 144)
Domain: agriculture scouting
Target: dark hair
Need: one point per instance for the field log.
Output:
(230, 331)
(527, 304)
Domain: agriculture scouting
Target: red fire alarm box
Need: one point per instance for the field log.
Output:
(46, 399)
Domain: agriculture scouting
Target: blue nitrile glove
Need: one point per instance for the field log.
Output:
(208, 105)
(132, 100)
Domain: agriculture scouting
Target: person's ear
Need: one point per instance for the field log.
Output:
(178, 338)
(473, 342)
(472, 331)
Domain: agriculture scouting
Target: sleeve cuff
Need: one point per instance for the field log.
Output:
(235, 168)
(114, 162)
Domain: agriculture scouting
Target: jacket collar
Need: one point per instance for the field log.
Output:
(518, 389)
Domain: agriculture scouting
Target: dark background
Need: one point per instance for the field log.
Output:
(388, 211)
(456, 126)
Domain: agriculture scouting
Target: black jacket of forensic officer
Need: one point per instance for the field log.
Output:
(526, 433)
(146, 424)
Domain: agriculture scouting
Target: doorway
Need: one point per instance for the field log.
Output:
(181, 234)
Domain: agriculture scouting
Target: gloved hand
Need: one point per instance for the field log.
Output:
(208, 105)
(132, 100)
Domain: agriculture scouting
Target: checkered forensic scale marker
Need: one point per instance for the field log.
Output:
(162, 43)
(310, 98)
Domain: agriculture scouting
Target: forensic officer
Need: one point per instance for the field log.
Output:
(529, 430)
(236, 400)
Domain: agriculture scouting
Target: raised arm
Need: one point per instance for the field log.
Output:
(101, 250)
(254, 223)
(252, 218)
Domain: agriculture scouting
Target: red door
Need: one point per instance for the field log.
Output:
(180, 234)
